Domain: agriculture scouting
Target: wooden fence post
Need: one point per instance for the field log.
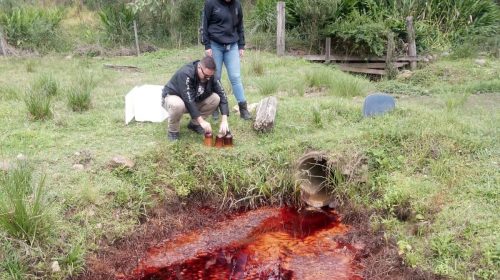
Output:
(136, 39)
(280, 29)
(328, 49)
(390, 68)
(3, 50)
(412, 46)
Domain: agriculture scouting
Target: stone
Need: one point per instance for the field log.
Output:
(317, 200)
(121, 162)
(55, 266)
(445, 54)
(78, 166)
(405, 74)
(480, 62)
(21, 157)
(378, 104)
(5, 166)
(251, 108)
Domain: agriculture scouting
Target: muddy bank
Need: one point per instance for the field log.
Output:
(195, 241)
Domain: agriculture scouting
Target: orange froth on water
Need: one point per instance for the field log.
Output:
(262, 244)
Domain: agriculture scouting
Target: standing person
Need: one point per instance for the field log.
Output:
(224, 40)
(194, 90)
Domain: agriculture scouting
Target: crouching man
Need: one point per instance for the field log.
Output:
(194, 90)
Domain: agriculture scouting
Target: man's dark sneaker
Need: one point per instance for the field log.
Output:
(196, 128)
(173, 136)
(215, 114)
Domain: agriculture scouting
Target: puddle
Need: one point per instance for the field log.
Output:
(269, 243)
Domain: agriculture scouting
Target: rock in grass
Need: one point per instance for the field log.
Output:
(5, 166)
(78, 166)
(55, 266)
(121, 162)
(480, 62)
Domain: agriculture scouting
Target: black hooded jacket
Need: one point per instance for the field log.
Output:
(186, 84)
(222, 22)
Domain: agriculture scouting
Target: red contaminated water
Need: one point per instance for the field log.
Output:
(277, 244)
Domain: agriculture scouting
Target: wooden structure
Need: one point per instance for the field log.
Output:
(265, 114)
(387, 65)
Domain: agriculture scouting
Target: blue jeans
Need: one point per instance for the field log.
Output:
(230, 56)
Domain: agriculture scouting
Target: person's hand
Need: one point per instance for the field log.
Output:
(205, 125)
(224, 126)
(242, 52)
(208, 52)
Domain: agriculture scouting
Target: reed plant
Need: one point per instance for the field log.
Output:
(79, 95)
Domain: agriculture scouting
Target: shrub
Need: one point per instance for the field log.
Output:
(118, 22)
(38, 104)
(31, 27)
(23, 208)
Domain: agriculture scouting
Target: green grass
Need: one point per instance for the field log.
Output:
(23, 207)
(433, 162)
(38, 104)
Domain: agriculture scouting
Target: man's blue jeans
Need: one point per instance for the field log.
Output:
(230, 56)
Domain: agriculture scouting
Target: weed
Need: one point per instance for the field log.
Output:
(318, 77)
(257, 67)
(80, 95)
(267, 86)
(9, 93)
(74, 260)
(30, 66)
(23, 206)
(11, 263)
(47, 84)
(38, 104)
(317, 122)
(455, 101)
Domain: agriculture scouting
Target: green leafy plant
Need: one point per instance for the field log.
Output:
(118, 22)
(31, 27)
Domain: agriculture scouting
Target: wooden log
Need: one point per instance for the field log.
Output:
(266, 114)
(412, 46)
(280, 29)
(123, 67)
(328, 49)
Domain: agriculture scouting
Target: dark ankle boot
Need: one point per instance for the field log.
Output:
(244, 114)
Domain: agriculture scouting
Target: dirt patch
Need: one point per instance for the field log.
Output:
(378, 258)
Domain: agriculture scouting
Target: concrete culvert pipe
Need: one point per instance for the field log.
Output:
(312, 174)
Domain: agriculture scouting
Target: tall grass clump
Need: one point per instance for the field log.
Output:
(38, 104)
(80, 94)
(348, 86)
(31, 27)
(46, 83)
(23, 206)
(267, 86)
(319, 77)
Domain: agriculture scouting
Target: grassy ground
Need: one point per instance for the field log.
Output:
(433, 163)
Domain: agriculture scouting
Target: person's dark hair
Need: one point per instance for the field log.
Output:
(208, 62)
